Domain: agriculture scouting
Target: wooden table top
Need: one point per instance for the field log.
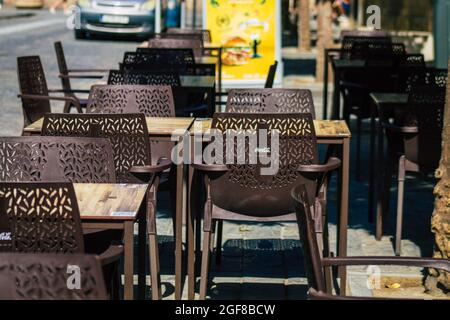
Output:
(389, 98)
(101, 201)
(198, 81)
(345, 63)
(324, 128)
(156, 126)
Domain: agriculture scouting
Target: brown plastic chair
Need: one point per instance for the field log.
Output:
(421, 134)
(147, 77)
(34, 91)
(130, 141)
(45, 277)
(316, 264)
(192, 43)
(65, 74)
(77, 160)
(239, 192)
(152, 101)
(44, 218)
(270, 101)
(206, 34)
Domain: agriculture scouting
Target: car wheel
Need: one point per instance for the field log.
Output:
(80, 34)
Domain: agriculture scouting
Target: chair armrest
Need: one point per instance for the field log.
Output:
(352, 85)
(397, 129)
(441, 264)
(163, 164)
(112, 254)
(80, 76)
(39, 97)
(332, 164)
(210, 167)
(88, 70)
(68, 91)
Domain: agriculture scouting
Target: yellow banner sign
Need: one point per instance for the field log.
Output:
(247, 30)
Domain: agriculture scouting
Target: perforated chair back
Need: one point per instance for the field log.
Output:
(77, 160)
(244, 188)
(127, 132)
(43, 216)
(46, 277)
(32, 81)
(270, 101)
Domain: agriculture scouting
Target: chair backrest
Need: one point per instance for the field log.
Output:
(127, 132)
(411, 71)
(244, 188)
(45, 277)
(135, 77)
(206, 34)
(308, 238)
(77, 160)
(32, 81)
(196, 44)
(152, 101)
(44, 217)
(364, 33)
(162, 58)
(270, 101)
(271, 75)
(426, 107)
(62, 65)
(358, 47)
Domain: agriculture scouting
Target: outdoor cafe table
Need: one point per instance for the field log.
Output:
(381, 103)
(117, 206)
(334, 133)
(160, 129)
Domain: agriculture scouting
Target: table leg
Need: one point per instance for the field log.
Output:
(190, 239)
(335, 115)
(178, 232)
(343, 215)
(325, 85)
(128, 260)
(371, 163)
(142, 248)
(378, 182)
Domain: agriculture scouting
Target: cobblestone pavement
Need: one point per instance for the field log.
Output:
(260, 261)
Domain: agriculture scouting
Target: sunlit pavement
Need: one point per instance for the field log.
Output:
(259, 261)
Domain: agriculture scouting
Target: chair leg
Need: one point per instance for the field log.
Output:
(67, 107)
(154, 267)
(205, 264)
(219, 243)
(358, 147)
(400, 197)
(153, 245)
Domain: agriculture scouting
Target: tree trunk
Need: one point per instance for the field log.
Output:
(439, 281)
(324, 34)
(303, 27)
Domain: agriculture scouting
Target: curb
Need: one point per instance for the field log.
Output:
(17, 15)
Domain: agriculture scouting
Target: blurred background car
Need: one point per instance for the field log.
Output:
(116, 17)
(28, 4)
